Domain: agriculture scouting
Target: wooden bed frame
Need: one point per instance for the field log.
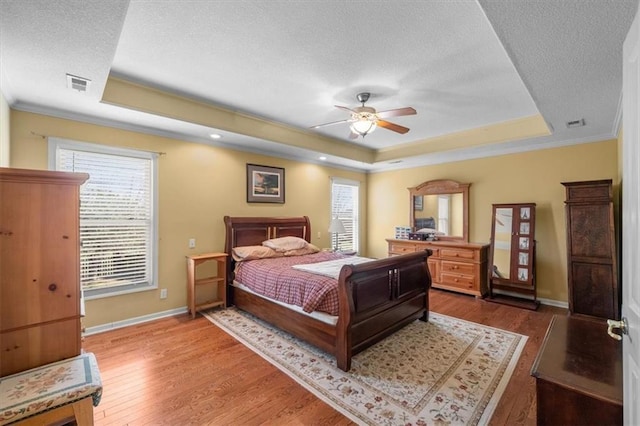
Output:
(375, 298)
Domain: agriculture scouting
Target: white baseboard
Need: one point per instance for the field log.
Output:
(132, 321)
(556, 303)
(549, 302)
(178, 311)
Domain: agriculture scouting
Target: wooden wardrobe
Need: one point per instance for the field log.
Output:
(39, 267)
(591, 250)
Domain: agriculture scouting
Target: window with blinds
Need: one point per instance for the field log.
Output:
(117, 216)
(344, 206)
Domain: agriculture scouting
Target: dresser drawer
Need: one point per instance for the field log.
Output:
(458, 267)
(463, 281)
(402, 248)
(457, 253)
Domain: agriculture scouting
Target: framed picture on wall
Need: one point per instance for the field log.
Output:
(417, 203)
(265, 184)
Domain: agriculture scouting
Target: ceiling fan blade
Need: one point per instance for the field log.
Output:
(346, 109)
(329, 124)
(392, 126)
(396, 112)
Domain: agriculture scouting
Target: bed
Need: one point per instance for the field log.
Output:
(375, 299)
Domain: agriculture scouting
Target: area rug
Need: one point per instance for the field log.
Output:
(446, 371)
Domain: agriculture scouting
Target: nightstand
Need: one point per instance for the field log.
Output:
(220, 279)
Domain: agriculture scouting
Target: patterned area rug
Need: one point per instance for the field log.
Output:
(446, 371)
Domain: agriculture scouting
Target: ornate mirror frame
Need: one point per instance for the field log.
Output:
(443, 186)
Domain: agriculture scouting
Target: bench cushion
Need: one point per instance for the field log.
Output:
(49, 386)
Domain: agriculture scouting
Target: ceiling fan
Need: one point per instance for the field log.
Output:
(364, 120)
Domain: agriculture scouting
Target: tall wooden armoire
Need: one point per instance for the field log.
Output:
(39, 267)
(591, 250)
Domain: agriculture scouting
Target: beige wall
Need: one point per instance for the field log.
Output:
(199, 184)
(5, 119)
(517, 178)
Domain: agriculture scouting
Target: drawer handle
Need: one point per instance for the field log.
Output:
(456, 280)
(53, 287)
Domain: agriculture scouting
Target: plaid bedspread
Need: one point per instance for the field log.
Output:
(276, 279)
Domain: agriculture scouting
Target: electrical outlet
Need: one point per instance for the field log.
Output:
(319, 234)
(163, 293)
(192, 243)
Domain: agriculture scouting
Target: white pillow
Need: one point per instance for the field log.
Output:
(285, 243)
(241, 253)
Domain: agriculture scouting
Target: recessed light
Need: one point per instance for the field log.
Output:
(323, 158)
(215, 136)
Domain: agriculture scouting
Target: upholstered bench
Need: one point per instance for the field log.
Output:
(67, 389)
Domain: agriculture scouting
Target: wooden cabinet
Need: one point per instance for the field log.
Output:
(39, 268)
(512, 256)
(578, 374)
(591, 252)
(219, 280)
(454, 265)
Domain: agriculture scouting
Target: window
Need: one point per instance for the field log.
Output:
(344, 205)
(444, 202)
(117, 215)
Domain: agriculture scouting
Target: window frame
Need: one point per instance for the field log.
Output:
(356, 214)
(55, 144)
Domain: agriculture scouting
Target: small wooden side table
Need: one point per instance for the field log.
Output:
(220, 279)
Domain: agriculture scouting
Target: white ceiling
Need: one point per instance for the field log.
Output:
(461, 64)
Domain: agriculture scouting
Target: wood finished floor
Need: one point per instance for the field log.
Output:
(178, 371)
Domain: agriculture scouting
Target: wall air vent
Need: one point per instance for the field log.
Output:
(395, 161)
(77, 83)
(575, 123)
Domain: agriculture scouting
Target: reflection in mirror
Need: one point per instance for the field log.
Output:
(441, 205)
(502, 243)
(442, 212)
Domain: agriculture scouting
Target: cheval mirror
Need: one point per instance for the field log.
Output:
(441, 205)
(512, 255)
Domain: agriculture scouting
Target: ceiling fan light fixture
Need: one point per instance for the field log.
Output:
(363, 127)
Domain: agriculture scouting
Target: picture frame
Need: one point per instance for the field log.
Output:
(523, 258)
(525, 213)
(265, 184)
(523, 243)
(524, 228)
(523, 274)
(418, 203)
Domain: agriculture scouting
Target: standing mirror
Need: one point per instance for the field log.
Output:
(441, 205)
(512, 255)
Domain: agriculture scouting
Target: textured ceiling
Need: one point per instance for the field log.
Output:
(465, 66)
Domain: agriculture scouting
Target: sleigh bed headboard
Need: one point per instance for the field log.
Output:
(252, 231)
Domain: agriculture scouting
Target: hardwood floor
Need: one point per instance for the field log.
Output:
(178, 371)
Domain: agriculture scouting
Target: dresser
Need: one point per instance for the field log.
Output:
(455, 266)
(39, 268)
(591, 250)
(578, 373)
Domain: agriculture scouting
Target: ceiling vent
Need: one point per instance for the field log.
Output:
(77, 83)
(575, 123)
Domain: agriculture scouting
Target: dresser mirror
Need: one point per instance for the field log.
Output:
(442, 205)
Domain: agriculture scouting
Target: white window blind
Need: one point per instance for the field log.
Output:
(117, 232)
(344, 206)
